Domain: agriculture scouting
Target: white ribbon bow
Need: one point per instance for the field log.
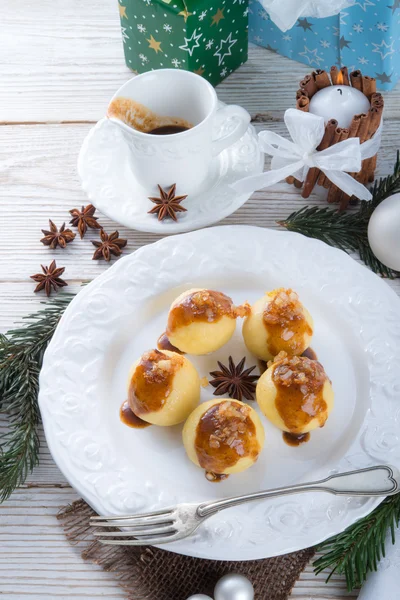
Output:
(284, 13)
(297, 157)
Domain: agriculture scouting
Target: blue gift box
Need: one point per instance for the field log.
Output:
(365, 36)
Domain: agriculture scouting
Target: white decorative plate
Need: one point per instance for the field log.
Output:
(107, 178)
(121, 314)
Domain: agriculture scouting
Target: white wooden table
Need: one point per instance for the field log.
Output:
(60, 62)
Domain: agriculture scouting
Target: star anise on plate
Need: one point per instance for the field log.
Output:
(167, 205)
(110, 244)
(82, 219)
(57, 237)
(49, 279)
(234, 381)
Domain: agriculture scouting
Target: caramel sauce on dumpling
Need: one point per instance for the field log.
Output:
(299, 383)
(202, 305)
(151, 382)
(225, 434)
(286, 323)
(129, 418)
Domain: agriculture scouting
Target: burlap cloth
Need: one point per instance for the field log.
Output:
(153, 574)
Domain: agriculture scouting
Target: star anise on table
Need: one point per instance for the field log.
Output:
(49, 279)
(110, 244)
(234, 381)
(167, 205)
(57, 237)
(82, 219)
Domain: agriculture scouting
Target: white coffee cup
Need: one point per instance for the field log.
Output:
(174, 96)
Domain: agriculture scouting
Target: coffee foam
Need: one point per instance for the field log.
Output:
(140, 117)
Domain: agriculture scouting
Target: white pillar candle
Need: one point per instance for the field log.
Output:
(340, 102)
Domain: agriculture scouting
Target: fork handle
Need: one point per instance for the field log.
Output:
(372, 481)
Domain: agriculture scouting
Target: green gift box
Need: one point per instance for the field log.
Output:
(208, 37)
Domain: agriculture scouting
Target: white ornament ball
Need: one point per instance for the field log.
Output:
(234, 587)
(199, 597)
(384, 232)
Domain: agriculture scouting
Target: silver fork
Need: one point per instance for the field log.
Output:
(178, 522)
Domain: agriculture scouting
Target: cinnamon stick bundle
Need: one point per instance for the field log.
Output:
(369, 86)
(363, 126)
(303, 103)
(335, 192)
(321, 79)
(300, 92)
(375, 120)
(308, 85)
(359, 128)
(356, 79)
(377, 100)
(322, 179)
(313, 173)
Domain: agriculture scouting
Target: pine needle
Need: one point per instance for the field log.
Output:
(348, 231)
(358, 550)
(21, 356)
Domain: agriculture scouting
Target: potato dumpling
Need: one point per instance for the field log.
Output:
(223, 436)
(278, 322)
(201, 321)
(295, 394)
(163, 387)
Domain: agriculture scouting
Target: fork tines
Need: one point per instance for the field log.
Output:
(149, 528)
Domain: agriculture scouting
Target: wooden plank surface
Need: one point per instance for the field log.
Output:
(60, 63)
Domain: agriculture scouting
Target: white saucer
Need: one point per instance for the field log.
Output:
(106, 177)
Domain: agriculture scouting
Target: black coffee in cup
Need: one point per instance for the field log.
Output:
(168, 130)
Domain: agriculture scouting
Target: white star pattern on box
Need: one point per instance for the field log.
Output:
(224, 72)
(325, 43)
(246, 12)
(202, 15)
(362, 60)
(143, 58)
(225, 49)
(336, 30)
(287, 38)
(364, 4)
(383, 49)
(382, 26)
(311, 56)
(358, 28)
(167, 28)
(209, 44)
(141, 28)
(125, 36)
(193, 40)
(148, 2)
(342, 16)
(176, 63)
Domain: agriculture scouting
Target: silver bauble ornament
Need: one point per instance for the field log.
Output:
(199, 597)
(384, 232)
(234, 587)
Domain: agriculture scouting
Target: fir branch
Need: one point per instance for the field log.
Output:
(348, 231)
(21, 356)
(358, 550)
